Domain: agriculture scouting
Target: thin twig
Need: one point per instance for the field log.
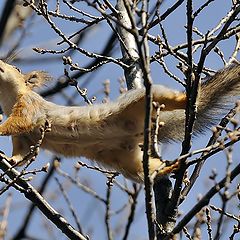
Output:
(203, 202)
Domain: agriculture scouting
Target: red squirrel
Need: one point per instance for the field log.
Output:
(108, 133)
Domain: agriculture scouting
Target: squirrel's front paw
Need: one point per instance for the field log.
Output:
(15, 161)
(12, 161)
(3, 132)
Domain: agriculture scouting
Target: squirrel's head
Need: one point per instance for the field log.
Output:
(9, 75)
(13, 83)
(12, 76)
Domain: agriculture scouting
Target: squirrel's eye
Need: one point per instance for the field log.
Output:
(17, 69)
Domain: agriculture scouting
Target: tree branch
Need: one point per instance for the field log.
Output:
(133, 74)
(204, 201)
(32, 194)
(9, 6)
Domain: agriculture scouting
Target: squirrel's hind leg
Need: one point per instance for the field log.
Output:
(171, 99)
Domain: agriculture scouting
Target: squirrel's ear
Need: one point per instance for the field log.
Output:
(36, 79)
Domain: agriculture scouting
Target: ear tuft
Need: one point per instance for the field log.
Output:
(37, 79)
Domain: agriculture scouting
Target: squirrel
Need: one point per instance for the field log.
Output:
(108, 133)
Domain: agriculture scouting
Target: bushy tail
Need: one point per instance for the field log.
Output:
(216, 96)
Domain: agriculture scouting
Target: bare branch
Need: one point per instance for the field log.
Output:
(204, 201)
(129, 49)
(31, 194)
